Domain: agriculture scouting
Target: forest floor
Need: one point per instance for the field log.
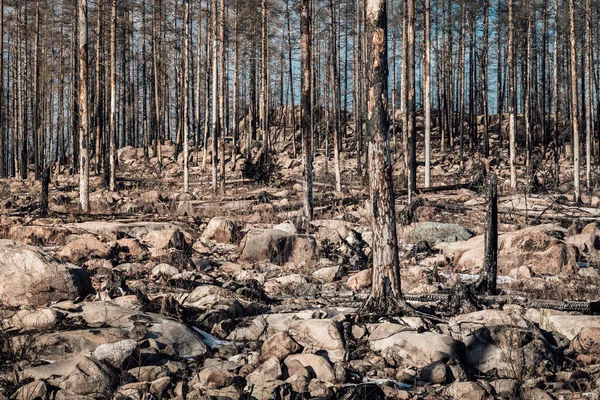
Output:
(162, 294)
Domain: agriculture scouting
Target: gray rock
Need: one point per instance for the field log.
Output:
(30, 277)
(116, 353)
(437, 232)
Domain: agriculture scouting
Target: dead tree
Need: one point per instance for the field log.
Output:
(386, 295)
(306, 106)
(489, 272)
(574, 102)
(112, 156)
(84, 162)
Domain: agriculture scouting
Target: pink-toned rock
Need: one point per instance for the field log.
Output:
(84, 247)
(360, 280)
(531, 247)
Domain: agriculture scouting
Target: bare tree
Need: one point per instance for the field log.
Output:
(574, 103)
(386, 292)
(513, 95)
(306, 106)
(112, 157)
(84, 162)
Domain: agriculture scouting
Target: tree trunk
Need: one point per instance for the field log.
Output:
(186, 95)
(306, 105)
(216, 129)
(84, 162)
(113, 99)
(386, 291)
(574, 103)
(411, 100)
(513, 96)
(427, 94)
(590, 99)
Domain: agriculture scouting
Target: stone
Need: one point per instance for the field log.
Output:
(32, 391)
(221, 230)
(277, 246)
(360, 280)
(317, 365)
(115, 354)
(532, 247)
(436, 373)
(279, 346)
(29, 277)
(284, 284)
(486, 318)
(587, 243)
(39, 319)
(165, 270)
(465, 391)
(84, 247)
(267, 371)
(214, 378)
(328, 274)
(203, 297)
(508, 388)
(134, 248)
(249, 332)
(565, 324)
(587, 345)
(319, 335)
(414, 348)
(437, 232)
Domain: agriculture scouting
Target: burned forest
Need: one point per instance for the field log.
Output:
(299, 199)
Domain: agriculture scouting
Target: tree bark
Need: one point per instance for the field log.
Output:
(84, 162)
(574, 103)
(306, 105)
(427, 90)
(112, 157)
(513, 96)
(386, 290)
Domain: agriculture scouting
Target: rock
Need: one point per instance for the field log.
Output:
(221, 230)
(465, 391)
(203, 297)
(160, 386)
(531, 247)
(30, 277)
(508, 388)
(32, 391)
(328, 274)
(565, 324)
(588, 243)
(214, 378)
(319, 389)
(319, 335)
(360, 280)
(134, 248)
(81, 375)
(165, 270)
(279, 346)
(536, 394)
(115, 354)
(485, 318)
(39, 319)
(284, 284)
(415, 349)
(277, 246)
(169, 333)
(267, 371)
(249, 332)
(436, 373)
(317, 365)
(437, 232)
(587, 345)
(493, 350)
(84, 247)
(270, 390)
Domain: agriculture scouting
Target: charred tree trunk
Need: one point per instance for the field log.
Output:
(386, 295)
(84, 162)
(306, 105)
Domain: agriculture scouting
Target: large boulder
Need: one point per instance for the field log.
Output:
(531, 247)
(277, 246)
(84, 247)
(565, 324)
(319, 335)
(438, 232)
(317, 365)
(413, 348)
(221, 229)
(28, 276)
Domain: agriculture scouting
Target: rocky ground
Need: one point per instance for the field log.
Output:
(160, 294)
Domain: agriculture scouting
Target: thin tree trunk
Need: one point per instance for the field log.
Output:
(574, 105)
(484, 78)
(513, 96)
(427, 94)
(556, 97)
(306, 105)
(112, 158)
(411, 101)
(215, 95)
(386, 292)
(84, 162)
(590, 99)
(186, 95)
